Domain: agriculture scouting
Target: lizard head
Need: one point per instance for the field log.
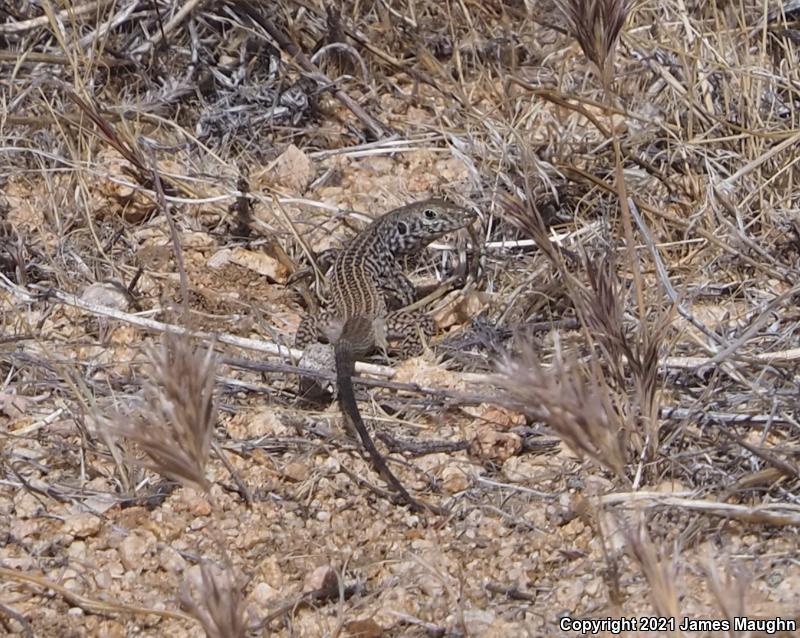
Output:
(417, 225)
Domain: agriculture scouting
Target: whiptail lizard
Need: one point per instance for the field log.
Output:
(368, 293)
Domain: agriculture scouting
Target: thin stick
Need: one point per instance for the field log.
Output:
(89, 604)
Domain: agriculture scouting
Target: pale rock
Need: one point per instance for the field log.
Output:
(272, 572)
(434, 462)
(491, 445)
(364, 628)
(73, 584)
(331, 465)
(264, 595)
(171, 561)
(454, 479)
(292, 170)
(115, 568)
(102, 578)
(432, 587)
(25, 528)
(82, 525)
(20, 564)
(196, 503)
(197, 239)
(111, 294)
(266, 422)
(296, 471)
(323, 577)
(112, 629)
(478, 620)
(567, 592)
(25, 504)
(77, 550)
(501, 628)
(197, 524)
(524, 469)
(133, 550)
(219, 258)
(595, 485)
(594, 587)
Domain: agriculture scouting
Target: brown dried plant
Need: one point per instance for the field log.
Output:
(574, 406)
(175, 426)
(728, 584)
(628, 353)
(216, 602)
(596, 25)
(659, 569)
(628, 356)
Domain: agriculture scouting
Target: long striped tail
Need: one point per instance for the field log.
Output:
(348, 346)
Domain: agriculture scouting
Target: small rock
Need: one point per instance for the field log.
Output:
(111, 294)
(264, 595)
(593, 587)
(454, 480)
(296, 471)
(25, 505)
(195, 502)
(134, 548)
(77, 550)
(82, 525)
(291, 170)
(366, 628)
(491, 445)
(72, 584)
(102, 579)
(478, 620)
(111, 629)
(323, 577)
(431, 586)
(171, 560)
(568, 592)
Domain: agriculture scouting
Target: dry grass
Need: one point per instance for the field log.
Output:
(175, 426)
(216, 602)
(635, 166)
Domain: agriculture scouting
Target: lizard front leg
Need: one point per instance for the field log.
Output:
(397, 290)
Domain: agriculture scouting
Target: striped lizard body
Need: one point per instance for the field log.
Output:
(368, 293)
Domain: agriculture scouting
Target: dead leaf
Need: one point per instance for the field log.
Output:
(292, 171)
(260, 263)
(462, 309)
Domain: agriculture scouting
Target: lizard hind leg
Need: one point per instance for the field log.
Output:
(412, 330)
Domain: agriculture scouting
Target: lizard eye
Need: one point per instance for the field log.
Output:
(402, 228)
(429, 213)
